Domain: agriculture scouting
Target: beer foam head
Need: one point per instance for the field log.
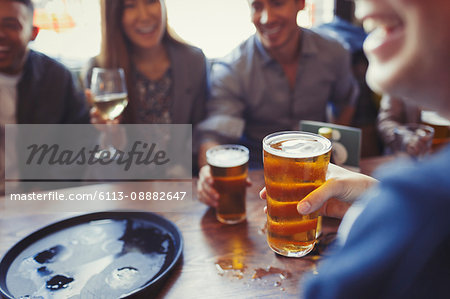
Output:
(228, 155)
(296, 144)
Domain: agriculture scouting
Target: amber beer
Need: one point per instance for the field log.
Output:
(229, 168)
(295, 163)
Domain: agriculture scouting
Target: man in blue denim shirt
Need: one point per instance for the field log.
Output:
(279, 76)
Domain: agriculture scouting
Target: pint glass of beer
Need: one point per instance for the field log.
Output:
(229, 168)
(295, 163)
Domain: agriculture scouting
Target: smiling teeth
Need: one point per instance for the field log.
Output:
(272, 31)
(146, 29)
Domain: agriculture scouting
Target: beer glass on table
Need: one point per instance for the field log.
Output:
(110, 98)
(229, 169)
(295, 163)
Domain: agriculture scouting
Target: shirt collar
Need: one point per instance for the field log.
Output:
(10, 79)
(266, 58)
(308, 47)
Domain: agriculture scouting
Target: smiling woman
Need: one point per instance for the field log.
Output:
(165, 76)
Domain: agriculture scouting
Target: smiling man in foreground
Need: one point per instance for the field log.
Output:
(394, 241)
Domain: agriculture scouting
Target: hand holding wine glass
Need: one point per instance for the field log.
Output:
(109, 97)
(109, 92)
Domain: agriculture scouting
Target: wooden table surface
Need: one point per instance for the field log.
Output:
(219, 261)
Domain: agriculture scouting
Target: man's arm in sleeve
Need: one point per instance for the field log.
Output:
(389, 243)
(224, 122)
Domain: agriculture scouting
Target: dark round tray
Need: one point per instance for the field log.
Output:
(117, 254)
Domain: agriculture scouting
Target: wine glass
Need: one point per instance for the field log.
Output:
(110, 97)
(109, 91)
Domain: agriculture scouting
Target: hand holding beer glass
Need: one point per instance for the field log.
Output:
(295, 163)
(229, 169)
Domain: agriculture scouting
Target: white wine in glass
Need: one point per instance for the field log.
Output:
(110, 97)
(111, 106)
(109, 90)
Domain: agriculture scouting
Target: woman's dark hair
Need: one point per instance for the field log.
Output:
(116, 48)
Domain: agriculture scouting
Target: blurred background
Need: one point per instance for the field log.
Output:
(70, 29)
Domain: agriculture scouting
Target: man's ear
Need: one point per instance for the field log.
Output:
(34, 33)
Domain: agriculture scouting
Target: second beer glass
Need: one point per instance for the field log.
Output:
(295, 163)
(229, 170)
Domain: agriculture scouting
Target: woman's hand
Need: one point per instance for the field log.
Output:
(96, 117)
(111, 134)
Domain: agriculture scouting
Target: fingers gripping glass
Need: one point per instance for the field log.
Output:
(110, 97)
